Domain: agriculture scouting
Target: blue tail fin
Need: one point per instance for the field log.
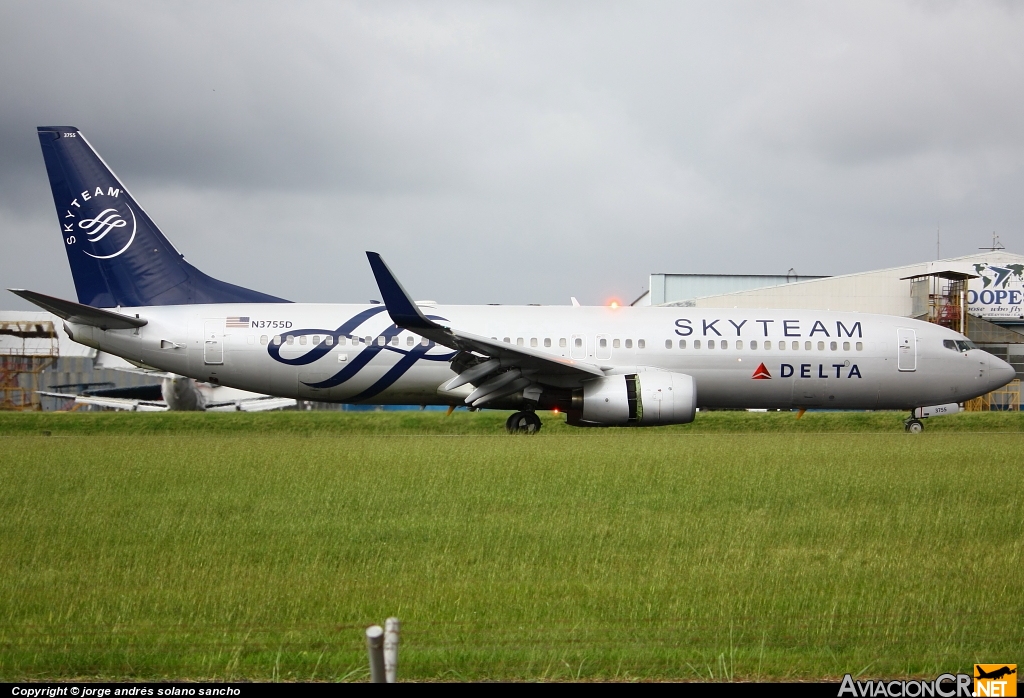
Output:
(117, 254)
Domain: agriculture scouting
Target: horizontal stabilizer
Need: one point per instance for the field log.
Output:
(80, 314)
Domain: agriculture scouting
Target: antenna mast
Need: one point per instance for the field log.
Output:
(996, 245)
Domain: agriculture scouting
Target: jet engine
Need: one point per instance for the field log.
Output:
(644, 398)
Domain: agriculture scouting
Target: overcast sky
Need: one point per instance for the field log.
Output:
(521, 152)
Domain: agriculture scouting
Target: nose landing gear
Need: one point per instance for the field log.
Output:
(523, 423)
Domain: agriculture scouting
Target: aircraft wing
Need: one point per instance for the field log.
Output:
(117, 403)
(405, 314)
(252, 404)
(116, 363)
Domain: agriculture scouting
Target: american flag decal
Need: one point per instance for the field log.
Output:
(237, 322)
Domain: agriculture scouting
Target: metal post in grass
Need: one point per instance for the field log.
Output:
(391, 626)
(375, 648)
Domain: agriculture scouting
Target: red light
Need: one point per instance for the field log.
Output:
(614, 303)
(555, 411)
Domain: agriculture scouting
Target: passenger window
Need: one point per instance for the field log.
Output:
(316, 339)
(846, 346)
(547, 341)
(289, 339)
(796, 346)
(424, 341)
(615, 344)
(394, 341)
(382, 340)
(682, 343)
(533, 341)
(578, 342)
(367, 340)
(561, 342)
(725, 343)
(833, 346)
(767, 344)
(739, 343)
(668, 343)
(302, 340)
(711, 344)
(329, 340)
(507, 340)
(753, 344)
(641, 344)
(342, 342)
(860, 346)
(629, 343)
(277, 340)
(696, 344)
(410, 340)
(519, 341)
(263, 339)
(807, 346)
(821, 346)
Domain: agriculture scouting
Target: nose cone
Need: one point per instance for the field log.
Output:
(1000, 372)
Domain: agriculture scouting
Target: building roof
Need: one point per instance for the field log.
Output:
(885, 291)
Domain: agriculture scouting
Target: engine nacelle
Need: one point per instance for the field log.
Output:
(644, 398)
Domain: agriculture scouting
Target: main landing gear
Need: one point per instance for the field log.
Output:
(523, 423)
(913, 425)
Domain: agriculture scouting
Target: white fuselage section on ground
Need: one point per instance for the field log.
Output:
(354, 353)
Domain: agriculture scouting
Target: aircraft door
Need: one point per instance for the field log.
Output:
(604, 346)
(213, 342)
(578, 346)
(906, 346)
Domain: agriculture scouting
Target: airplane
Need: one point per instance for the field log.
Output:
(602, 366)
(176, 394)
(995, 674)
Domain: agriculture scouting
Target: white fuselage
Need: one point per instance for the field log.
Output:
(354, 353)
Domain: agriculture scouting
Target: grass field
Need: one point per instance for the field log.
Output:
(744, 546)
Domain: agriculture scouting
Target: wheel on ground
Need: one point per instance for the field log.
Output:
(523, 423)
(914, 426)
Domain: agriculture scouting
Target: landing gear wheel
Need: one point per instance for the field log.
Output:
(523, 423)
(913, 426)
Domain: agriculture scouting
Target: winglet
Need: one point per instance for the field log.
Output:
(403, 311)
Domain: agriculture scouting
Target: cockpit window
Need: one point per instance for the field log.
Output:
(949, 344)
(964, 346)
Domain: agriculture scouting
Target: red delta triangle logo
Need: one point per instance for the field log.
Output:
(761, 373)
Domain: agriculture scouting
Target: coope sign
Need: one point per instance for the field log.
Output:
(999, 292)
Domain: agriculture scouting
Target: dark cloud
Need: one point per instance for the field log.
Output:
(521, 152)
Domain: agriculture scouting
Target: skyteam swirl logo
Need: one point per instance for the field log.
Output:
(98, 227)
(107, 228)
(102, 224)
(408, 359)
